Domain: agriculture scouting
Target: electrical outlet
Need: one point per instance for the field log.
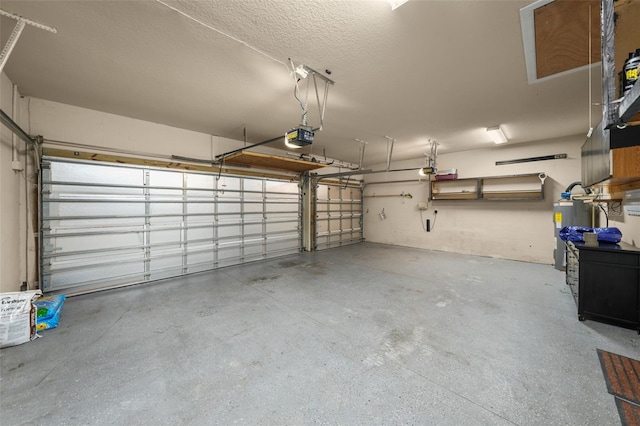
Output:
(615, 210)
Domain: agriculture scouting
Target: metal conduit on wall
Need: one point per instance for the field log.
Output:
(143, 224)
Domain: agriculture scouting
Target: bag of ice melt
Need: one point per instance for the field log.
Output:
(48, 310)
(17, 317)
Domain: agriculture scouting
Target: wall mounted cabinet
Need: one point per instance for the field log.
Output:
(525, 187)
(611, 159)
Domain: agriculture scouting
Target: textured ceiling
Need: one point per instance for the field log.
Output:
(442, 70)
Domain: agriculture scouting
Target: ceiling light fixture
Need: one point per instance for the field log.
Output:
(396, 3)
(497, 135)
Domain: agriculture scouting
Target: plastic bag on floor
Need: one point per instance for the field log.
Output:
(17, 317)
(48, 311)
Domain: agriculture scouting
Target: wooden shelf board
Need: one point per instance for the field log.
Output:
(512, 194)
(520, 195)
(455, 196)
(265, 161)
(532, 176)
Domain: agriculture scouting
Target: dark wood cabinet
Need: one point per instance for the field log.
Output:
(608, 283)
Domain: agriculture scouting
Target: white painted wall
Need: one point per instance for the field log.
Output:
(519, 230)
(68, 123)
(13, 219)
(9, 236)
(628, 225)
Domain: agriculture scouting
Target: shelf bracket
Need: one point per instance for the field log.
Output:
(15, 34)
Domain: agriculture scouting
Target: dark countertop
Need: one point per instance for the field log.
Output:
(621, 246)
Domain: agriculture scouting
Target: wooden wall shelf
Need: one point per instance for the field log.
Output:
(525, 187)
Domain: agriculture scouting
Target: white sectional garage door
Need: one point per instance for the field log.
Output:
(106, 225)
(338, 219)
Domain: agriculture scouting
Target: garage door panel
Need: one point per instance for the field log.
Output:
(195, 220)
(200, 181)
(228, 252)
(253, 208)
(338, 219)
(226, 230)
(97, 174)
(199, 208)
(165, 178)
(283, 243)
(97, 277)
(111, 225)
(75, 243)
(282, 227)
(67, 271)
(88, 223)
(75, 208)
(156, 209)
(200, 233)
(253, 229)
(166, 258)
(165, 236)
(225, 206)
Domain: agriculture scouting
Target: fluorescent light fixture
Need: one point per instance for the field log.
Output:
(497, 135)
(396, 3)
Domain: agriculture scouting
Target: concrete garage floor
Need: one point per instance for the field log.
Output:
(365, 334)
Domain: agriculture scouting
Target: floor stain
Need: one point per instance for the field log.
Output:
(207, 312)
(15, 368)
(397, 344)
(264, 278)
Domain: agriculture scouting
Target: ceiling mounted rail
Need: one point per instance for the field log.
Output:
(360, 172)
(15, 34)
